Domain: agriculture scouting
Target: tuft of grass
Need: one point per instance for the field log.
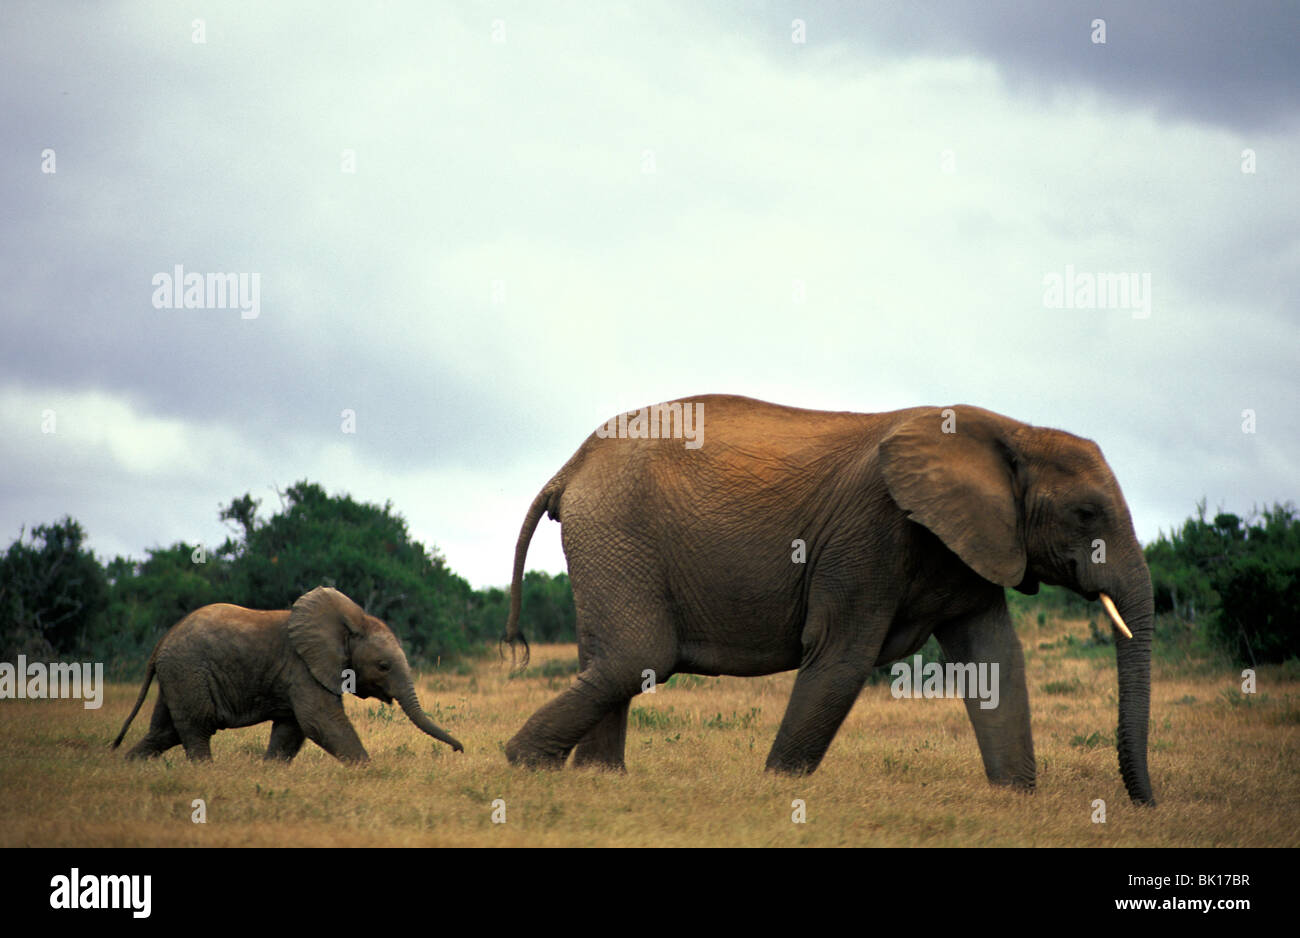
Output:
(1236, 698)
(1072, 686)
(1092, 740)
(645, 718)
(735, 721)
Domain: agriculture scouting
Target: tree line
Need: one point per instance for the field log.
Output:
(58, 600)
(1234, 582)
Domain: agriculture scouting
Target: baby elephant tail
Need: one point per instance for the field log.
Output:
(144, 692)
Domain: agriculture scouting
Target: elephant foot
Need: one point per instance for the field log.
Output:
(793, 764)
(793, 770)
(529, 757)
(1025, 786)
(1023, 780)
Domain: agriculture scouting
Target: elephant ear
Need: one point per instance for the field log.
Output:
(320, 626)
(953, 471)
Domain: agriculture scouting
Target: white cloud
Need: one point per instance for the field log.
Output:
(89, 432)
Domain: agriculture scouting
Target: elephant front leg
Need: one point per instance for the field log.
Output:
(1001, 726)
(286, 739)
(323, 721)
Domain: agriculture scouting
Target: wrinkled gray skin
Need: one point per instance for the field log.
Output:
(681, 561)
(224, 666)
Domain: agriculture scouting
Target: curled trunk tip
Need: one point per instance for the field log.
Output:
(410, 705)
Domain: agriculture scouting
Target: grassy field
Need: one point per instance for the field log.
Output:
(900, 772)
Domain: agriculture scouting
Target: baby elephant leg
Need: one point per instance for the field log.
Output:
(286, 739)
(162, 734)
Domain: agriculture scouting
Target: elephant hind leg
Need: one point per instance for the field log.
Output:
(593, 710)
(550, 734)
(195, 737)
(197, 744)
(604, 743)
(154, 745)
(162, 734)
(624, 632)
(286, 739)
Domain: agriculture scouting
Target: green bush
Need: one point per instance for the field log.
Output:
(57, 600)
(1237, 580)
(362, 549)
(1259, 618)
(52, 590)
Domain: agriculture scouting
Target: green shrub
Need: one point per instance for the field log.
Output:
(58, 600)
(1237, 580)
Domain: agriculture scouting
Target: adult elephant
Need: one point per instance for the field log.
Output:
(224, 666)
(913, 522)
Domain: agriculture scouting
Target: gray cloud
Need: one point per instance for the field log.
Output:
(1200, 60)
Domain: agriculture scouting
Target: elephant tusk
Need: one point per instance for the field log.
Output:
(1115, 616)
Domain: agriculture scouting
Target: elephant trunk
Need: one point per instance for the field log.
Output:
(410, 705)
(1133, 659)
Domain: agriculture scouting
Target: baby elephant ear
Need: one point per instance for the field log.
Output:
(319, 625)
(952, 471)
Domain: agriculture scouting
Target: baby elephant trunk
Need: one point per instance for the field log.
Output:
(410, 705)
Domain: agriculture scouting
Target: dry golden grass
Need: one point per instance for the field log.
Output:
(899, 773)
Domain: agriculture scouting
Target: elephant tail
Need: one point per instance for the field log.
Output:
(547, 500)
(144, 692)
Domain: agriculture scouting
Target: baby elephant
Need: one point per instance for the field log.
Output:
(224, 666)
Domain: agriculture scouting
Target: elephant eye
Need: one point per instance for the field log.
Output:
(384, 666)
(1086, 514)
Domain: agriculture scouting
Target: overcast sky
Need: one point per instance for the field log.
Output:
(486, 227)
